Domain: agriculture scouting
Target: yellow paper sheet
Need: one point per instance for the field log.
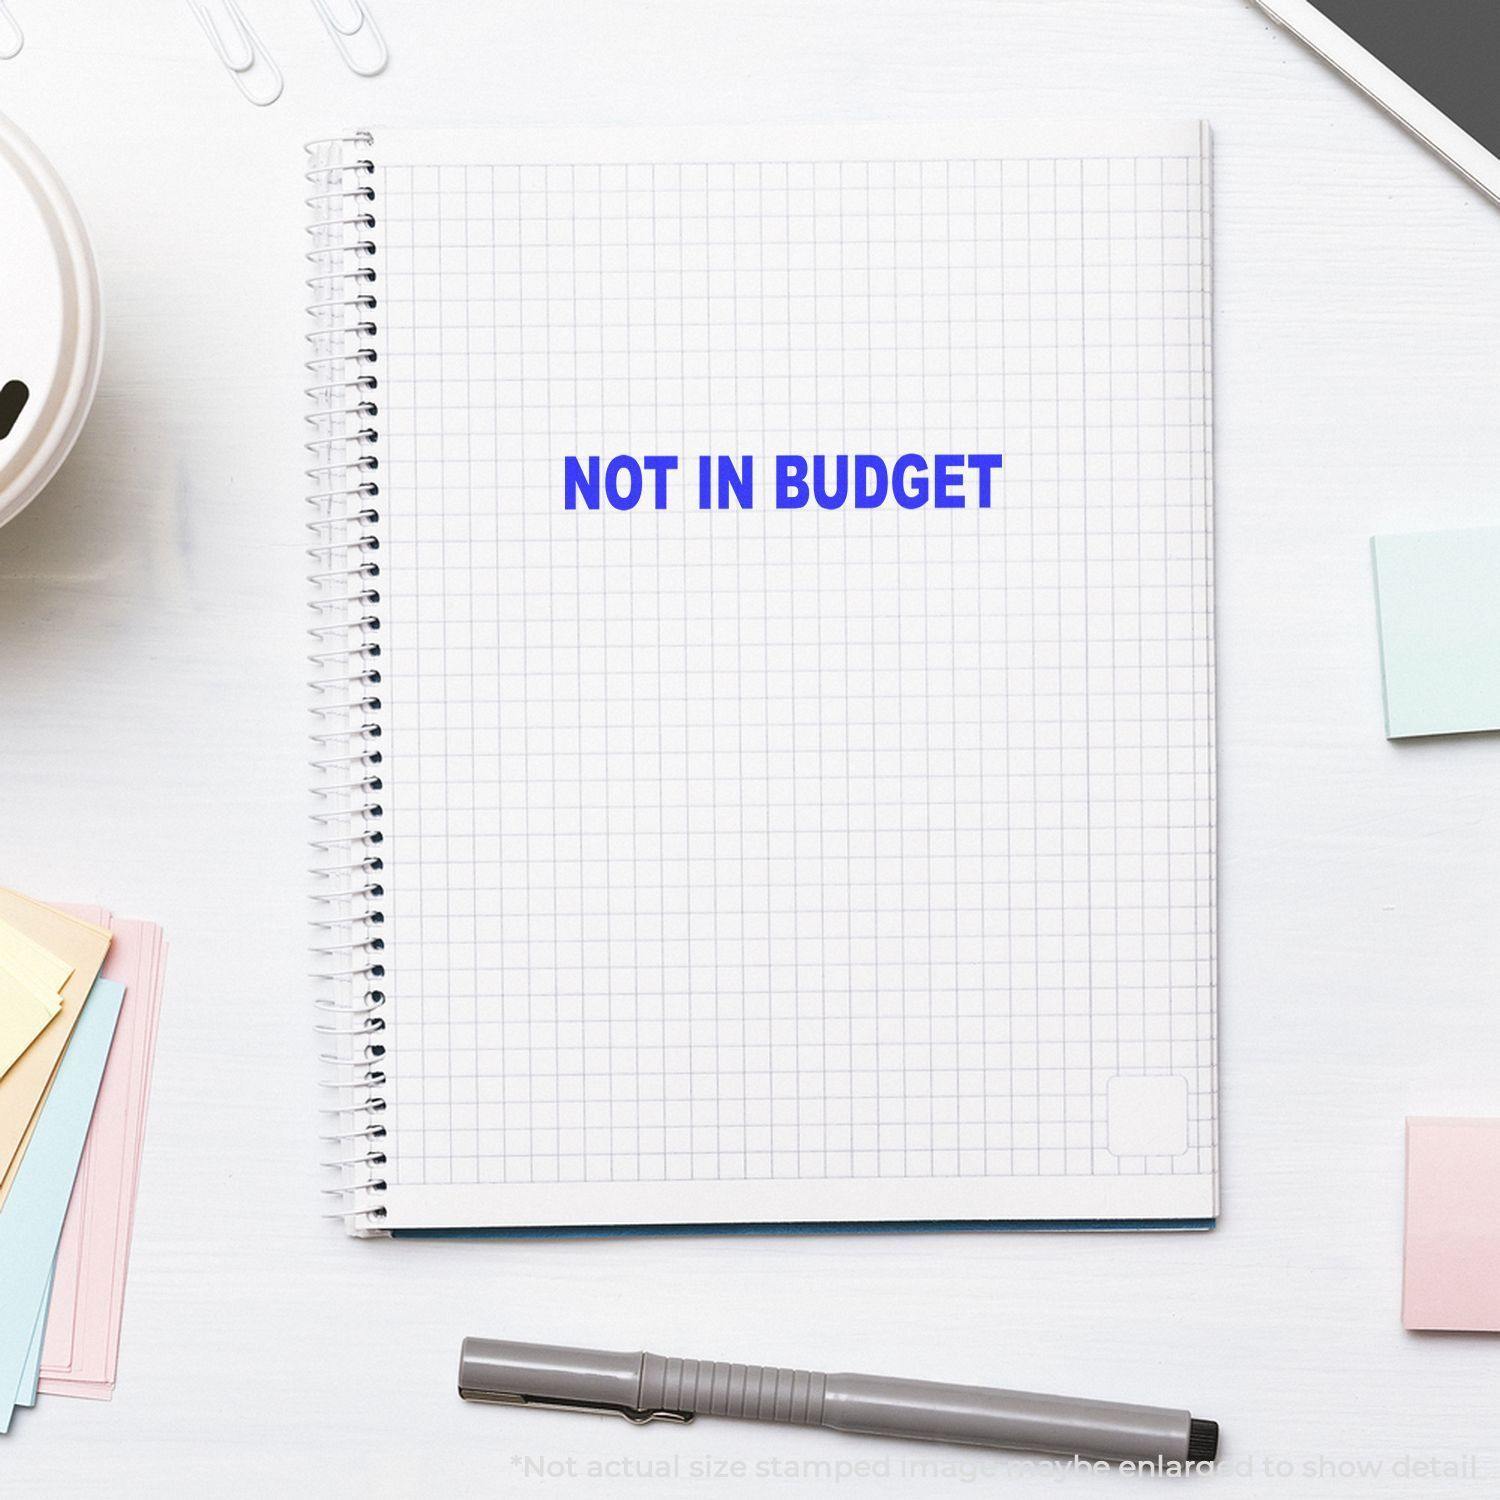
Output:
(82, 946)
(28, 959)
(25, 1008)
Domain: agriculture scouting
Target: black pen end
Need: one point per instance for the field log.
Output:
(1203, 1440)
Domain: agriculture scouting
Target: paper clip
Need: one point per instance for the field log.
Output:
(363, 25)
(241, 59)
(12, 39)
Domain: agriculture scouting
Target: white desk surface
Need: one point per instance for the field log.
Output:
(152, 759)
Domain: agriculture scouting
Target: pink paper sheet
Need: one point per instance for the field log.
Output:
(80, 1353)
(1452, 1276)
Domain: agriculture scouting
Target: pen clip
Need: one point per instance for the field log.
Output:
(518, 1398)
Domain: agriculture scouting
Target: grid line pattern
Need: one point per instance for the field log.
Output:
(815, 843)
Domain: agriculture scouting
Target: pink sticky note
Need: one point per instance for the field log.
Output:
(81, 1349)
(1452, 1225)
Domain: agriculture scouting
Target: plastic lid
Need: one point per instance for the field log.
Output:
(49, 309)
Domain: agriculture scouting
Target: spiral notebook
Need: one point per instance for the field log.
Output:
(765, 693)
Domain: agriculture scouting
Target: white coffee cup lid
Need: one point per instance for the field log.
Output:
(49, 311)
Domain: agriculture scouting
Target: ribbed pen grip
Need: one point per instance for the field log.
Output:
(760, 1393)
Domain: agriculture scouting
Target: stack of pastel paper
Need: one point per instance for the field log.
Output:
(79, 998)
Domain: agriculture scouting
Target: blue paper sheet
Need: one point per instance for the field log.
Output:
(1437, 599)
(31, 1373)
(32, 1219)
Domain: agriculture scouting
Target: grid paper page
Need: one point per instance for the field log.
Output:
(798, 864)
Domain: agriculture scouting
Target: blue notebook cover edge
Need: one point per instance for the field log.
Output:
(878, 1226)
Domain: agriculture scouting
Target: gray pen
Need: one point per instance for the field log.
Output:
(646, 1387)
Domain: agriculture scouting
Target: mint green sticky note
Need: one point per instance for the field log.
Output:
(1437, 598)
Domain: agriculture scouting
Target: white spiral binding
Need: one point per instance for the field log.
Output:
(343, 547)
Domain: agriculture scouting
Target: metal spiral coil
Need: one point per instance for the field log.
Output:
(343, 536)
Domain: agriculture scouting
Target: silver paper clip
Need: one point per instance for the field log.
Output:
(247, 58)
(12, 38)
(361, 28)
